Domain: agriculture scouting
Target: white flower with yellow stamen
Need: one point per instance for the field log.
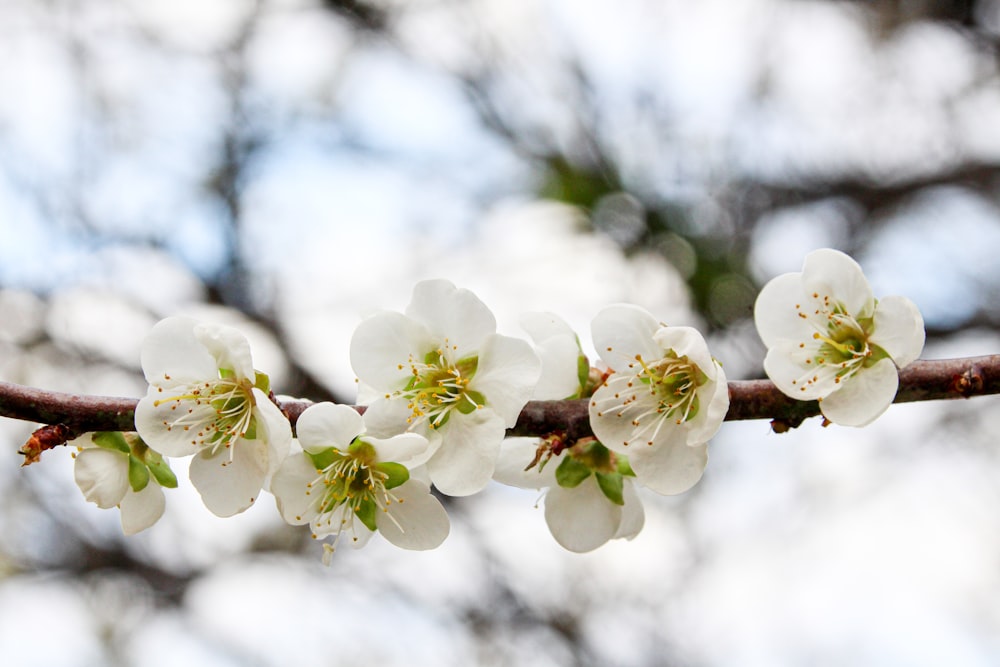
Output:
(830, 340)
(345, 481)
(441, 370)
(665, 398)
(206, 399)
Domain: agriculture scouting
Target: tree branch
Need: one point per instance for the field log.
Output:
(70, 415)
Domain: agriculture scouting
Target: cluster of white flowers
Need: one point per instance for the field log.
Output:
(445, 388)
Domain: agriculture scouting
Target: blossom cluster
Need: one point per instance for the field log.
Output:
(441, 388)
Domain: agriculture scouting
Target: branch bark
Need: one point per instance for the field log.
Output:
(749, 399)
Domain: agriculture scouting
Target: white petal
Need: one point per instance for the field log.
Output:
(671, 468)
(102, 475)
(466, 458)
(383, 345)
(326, 425)
(714, 400)
(152, 421)
(559, 379)
(622, 331)
(775, 312)
(899, 329)
(783, 364)
(418, 521)
(543, 326)
(273, 428)
(229, 348)
(452, 313)
(633, 514)
(230, 487)
(387, 417)
(582, 518)
(515, 455)
(507, 374)
(172, 354)
(141, 510)
(403, 448)
(686, 342)
(292, 489)
(828, 271)
(610, 419)
(864, 396)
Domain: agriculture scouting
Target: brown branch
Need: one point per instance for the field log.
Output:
(749, 399)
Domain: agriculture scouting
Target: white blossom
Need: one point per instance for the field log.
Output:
(205, 399)
(441, 370)
(345, 481)
(829, 339)
(119, 470)
(663, 400)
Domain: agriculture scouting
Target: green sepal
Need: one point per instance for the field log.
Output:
(466, 407)
(112, 440)
(582, 374)
(397, 474)
(612, 486)
(367, 512)
(324, 458)
(227, 373)
(138, 473)
(160, 470)
(262, 382)
(251, 432)
(571, 472)
(624, 467)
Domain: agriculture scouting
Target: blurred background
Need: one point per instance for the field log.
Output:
(289, 166)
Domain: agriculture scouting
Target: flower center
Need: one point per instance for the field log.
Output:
(841, 346)
(439, 385)
(673, 381)
(217, 412)
(353, 483)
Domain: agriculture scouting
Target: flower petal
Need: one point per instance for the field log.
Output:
(465, 461)
(291, 487)
(230, 487)
(559, 379)
(515, 455)
(543, 326)
(229, 348)
(452, 313)
(899, 329)
(582, 518)
(709, 419)
(273, 428)
(778, 311)
(326, 425)
(864, 396)
(633, 514)
(828, 271)
(172, 354)
(507, 374)
(417, 521)
(156, 411)
(686, 342)
(403, 448)
(671, 468)
(141, 510)
(102, 476)
(622, 331)
(785, 365)
(383, 345)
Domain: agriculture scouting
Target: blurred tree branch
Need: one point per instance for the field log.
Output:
(69, 415)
